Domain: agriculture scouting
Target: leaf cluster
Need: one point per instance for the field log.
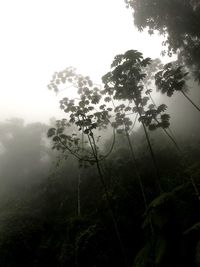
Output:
(127, 81)
(172, 78)
(178, 21)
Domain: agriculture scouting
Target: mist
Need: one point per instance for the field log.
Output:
(100, 133)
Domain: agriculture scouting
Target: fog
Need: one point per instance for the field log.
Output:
(39, 38)
(99, 133)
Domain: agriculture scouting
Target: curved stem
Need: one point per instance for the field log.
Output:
(152, 99)
(67, 148)
(78, 194)
(111, 148)
(166, 132)
(170, 137)
(153, 159)
(195, 187)
(173, 140)
(190, 100)
(136, 170)
(151, 152)
(94, 149)
(79, 176)
(177, 147)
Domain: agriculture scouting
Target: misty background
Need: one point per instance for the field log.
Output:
(54, 209)
(39, 38)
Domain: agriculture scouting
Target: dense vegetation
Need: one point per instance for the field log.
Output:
(178, 21)
(121, 185)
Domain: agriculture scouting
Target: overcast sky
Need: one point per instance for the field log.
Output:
(39, 37)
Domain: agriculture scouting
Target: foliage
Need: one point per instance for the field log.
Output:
(178, 21)
(86, 113)
(171, 78)
(168, 245)
(127, 81)
(39, 226)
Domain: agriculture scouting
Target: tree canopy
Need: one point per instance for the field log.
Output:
(178, 21)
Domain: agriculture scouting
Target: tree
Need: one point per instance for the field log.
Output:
(86, 113)
(178, 21)
(125, 82)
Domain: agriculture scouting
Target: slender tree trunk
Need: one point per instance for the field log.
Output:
(153, 159)
(158, 185)
(79, 177)
(190, 100)
(138, 176)
(171, 138)
(108, 200)
(136, 169)
(178, 148)
(78, 193)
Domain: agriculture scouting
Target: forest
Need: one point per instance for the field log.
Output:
(116, 180)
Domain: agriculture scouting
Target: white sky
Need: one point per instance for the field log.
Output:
(39, 37)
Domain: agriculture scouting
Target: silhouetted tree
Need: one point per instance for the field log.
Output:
(178, 21)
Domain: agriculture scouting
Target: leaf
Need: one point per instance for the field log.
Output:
(135, 109)
(95, 99)
(160, 250)
(102, 106)
(120, 131)
(143, 256)
(146, 61)
(152, 127)
(90, 83)
(148, 91)
(165, 117)
(90, 108)
(117, 60)
(107, 99)
(144, 101)
(60, 130)
(56, 138)
(151, 106)
(51, 132)
(94, 125)
(127, 109)
(86, 131)
(161, 108)
(63, 136)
